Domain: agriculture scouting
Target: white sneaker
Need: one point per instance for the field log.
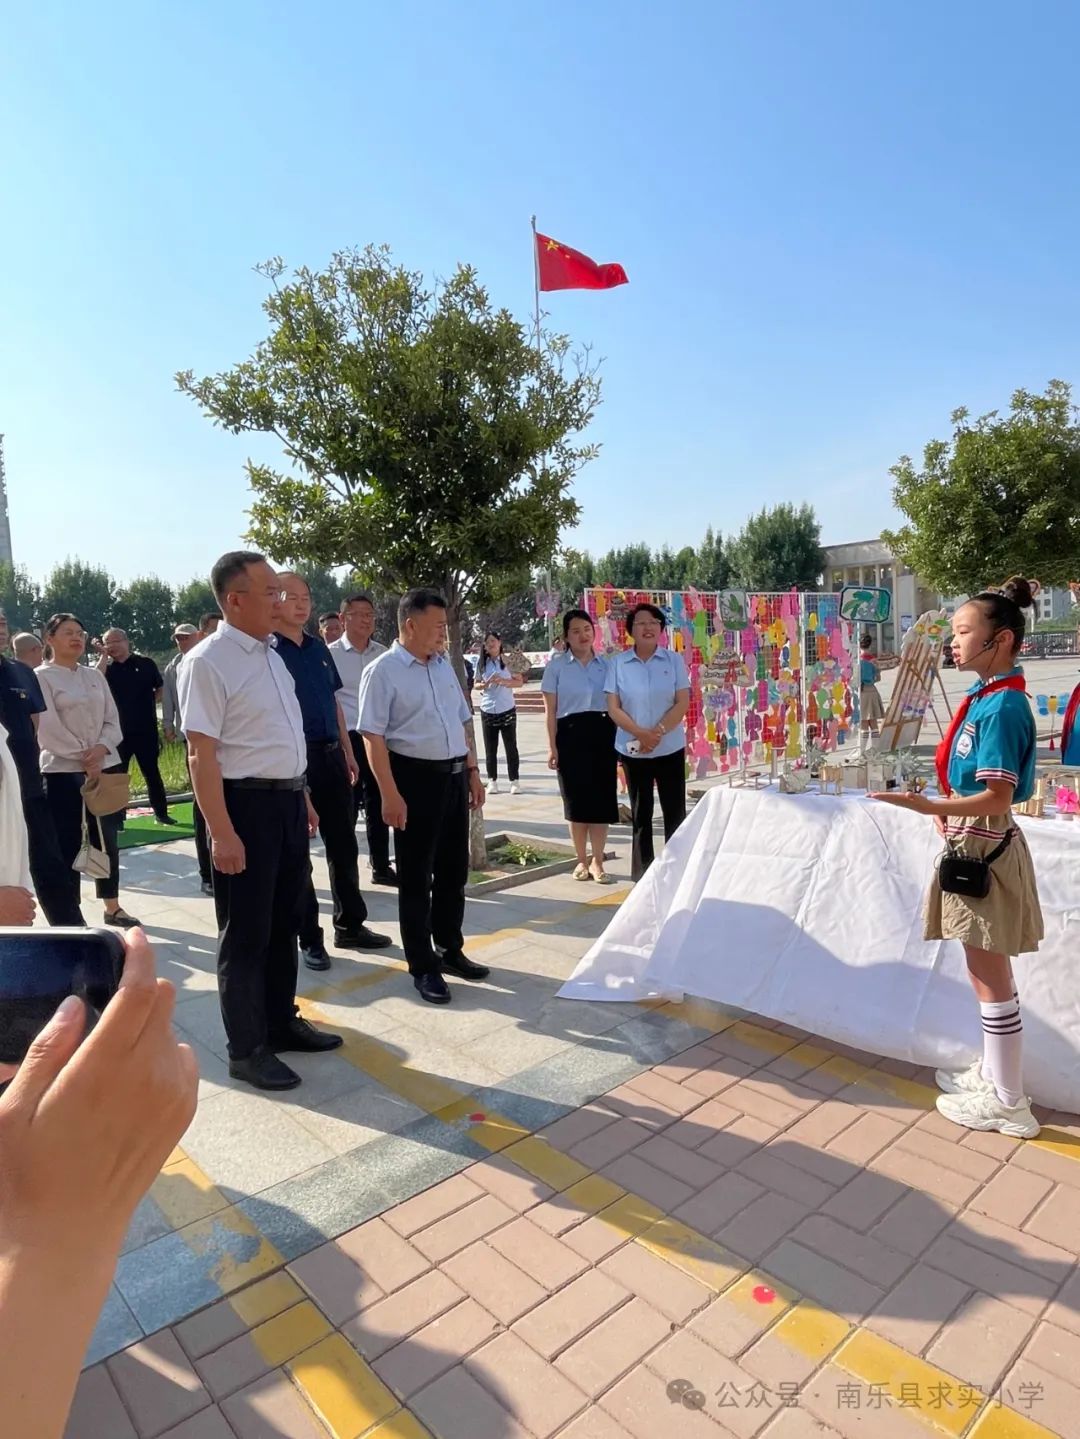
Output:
(964, 1081)
(493, 786)
(983, 1109)
(515, 788)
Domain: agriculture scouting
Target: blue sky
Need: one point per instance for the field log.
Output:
(840, 221)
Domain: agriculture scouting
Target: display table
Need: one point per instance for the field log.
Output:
(808, 909)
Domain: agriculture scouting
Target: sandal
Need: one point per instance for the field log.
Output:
(582, 872)
(120, 919)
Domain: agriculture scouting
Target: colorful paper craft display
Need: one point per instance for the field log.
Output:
(768, 672)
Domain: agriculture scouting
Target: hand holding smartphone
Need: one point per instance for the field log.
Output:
(39, 968)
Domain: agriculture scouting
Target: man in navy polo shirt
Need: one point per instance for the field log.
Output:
(331, 773)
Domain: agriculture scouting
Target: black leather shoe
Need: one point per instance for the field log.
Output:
(387, 876)
(120, 919)
(315, 956)
(166, 819)
(363, 938)
(263, 1070)
(462, 966)
(433, 988)
(207, 886)
(304, 1038)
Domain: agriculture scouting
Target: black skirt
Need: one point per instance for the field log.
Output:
(587, 776)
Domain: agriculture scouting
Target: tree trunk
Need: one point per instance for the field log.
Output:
(477, 841)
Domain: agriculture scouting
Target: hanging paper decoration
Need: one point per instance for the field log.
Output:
(547, 604)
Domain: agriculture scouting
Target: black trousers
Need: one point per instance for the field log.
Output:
(202, 841)
(494, 726)
(146, 748)
(432, 854)
(366, 792)
(669, 775)
(331, 794)
(64, 795)
(57, 894)
(258, 915)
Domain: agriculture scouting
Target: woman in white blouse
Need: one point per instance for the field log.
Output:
(79, 734)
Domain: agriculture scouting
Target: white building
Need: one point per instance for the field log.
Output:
(1054, 603)
(869, 562)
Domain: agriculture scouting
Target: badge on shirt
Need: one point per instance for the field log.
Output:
(964, 744)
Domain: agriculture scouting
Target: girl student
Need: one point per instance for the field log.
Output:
(985, 762)
(498, 711)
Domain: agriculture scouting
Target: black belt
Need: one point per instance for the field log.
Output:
(324, 746)
(436, 766)
(298, 782)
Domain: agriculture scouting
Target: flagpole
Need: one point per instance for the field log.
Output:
(539, 357)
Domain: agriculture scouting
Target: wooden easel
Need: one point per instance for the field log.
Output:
(920, 661)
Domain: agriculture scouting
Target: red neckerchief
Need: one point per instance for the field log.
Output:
(944, 749)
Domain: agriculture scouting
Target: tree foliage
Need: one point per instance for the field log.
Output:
(778, 549)
(194, 600)
(20, 598)
(145, 608)
(87, 591)
(431, 444)
(1001, 497)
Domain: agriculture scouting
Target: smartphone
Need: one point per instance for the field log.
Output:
(41, 967)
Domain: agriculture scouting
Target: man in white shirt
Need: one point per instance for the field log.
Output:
(248, 762)
(352, 653)
(186, 637)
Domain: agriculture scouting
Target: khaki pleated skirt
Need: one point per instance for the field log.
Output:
(1009, 920)
(870, 706)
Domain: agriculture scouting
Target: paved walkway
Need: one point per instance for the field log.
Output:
(527, 1217)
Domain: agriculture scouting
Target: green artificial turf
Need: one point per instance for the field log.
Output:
(144, 829)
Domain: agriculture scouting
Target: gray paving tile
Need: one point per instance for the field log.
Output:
(358, 1117)
(200, 1017)
(246, 1142)
(527, 1110)
(654, 1038)
(515, 1047)
(147, 1224)
(165, 1280)
(575, 1076)
(116, 1328)
(304, 1212)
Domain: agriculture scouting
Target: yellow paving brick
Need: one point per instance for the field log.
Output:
(268, 1297)
(919, 1095)
(224, 1237)
(929, 1392)
(811, 1054)
(996, 1422)
(289, 1334)
(184, 1193)
(741, 1294)
(766, 1039)
(401, 1425)
(693, 1253)
(345, 1393)
(703, 1016)
(175, 1157)
(811, 1331)
(1058, 1141)
(537, 1157)
(631, 1215)
(840, 1067)
(594, 1193)
(496, 1132)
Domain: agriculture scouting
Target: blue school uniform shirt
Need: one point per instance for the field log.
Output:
(996, 741)
(869, 674)
(579, 689)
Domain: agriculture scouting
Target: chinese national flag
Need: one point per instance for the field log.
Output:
(560, 268)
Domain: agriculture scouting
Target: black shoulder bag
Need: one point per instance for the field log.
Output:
(965, 874)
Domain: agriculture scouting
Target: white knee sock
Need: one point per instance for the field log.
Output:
(987, 1072)
(1003, 1048)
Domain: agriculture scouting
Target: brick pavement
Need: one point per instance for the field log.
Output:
(712, 1246)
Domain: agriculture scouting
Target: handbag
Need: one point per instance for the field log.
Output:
(106, 793)
(91, 861)
(967, 875)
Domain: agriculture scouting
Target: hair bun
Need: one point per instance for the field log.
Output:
(1019, 590)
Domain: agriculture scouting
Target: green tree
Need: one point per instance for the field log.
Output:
(573, 572)
(778, 549)
(87, 591)
(148, 605)
(627, 568)
(20, 598)
(1001, 497)
(430, 442)
(326, 590)
(194, 600)
(712, 569)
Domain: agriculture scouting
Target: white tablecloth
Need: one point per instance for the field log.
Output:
(808, 909)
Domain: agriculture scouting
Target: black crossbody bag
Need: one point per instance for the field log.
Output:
(965, 874)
